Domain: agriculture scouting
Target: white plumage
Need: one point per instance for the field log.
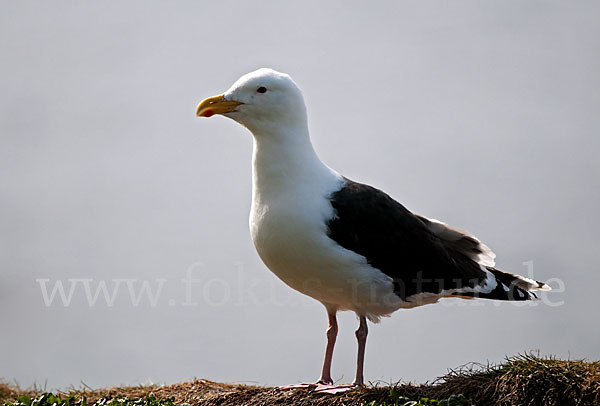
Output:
(347, 245)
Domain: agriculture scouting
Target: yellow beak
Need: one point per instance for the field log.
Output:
(216, 105)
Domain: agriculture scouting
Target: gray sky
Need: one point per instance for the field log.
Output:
(483, 114)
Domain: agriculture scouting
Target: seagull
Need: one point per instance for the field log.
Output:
(346, 244)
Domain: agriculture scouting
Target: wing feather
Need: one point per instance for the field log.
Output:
(421, 256)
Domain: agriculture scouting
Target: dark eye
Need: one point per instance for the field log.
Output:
(261, 89)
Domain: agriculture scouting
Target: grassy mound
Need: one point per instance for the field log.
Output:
(522, 380)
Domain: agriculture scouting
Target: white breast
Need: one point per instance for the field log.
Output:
(288, 222)
(289, 230)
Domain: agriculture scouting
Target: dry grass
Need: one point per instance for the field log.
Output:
(529, 380)
(522, 380)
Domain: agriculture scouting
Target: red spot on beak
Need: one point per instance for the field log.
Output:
(208, 113)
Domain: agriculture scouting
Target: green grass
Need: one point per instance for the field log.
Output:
(397, 400)
(49, 399)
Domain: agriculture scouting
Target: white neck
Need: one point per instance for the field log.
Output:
(286, 165)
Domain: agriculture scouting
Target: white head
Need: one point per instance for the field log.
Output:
(262, 101)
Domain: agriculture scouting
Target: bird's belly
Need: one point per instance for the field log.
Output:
(300, 253)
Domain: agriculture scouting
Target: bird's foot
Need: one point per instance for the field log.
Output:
(297, 386)
(321, 381)
(333, 389)
(322, 387)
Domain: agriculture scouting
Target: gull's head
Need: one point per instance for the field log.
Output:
(262, 101)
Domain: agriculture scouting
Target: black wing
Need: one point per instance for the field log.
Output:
(399, 243)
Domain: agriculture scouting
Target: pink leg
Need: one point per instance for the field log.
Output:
(361, 336)
(331, 336)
